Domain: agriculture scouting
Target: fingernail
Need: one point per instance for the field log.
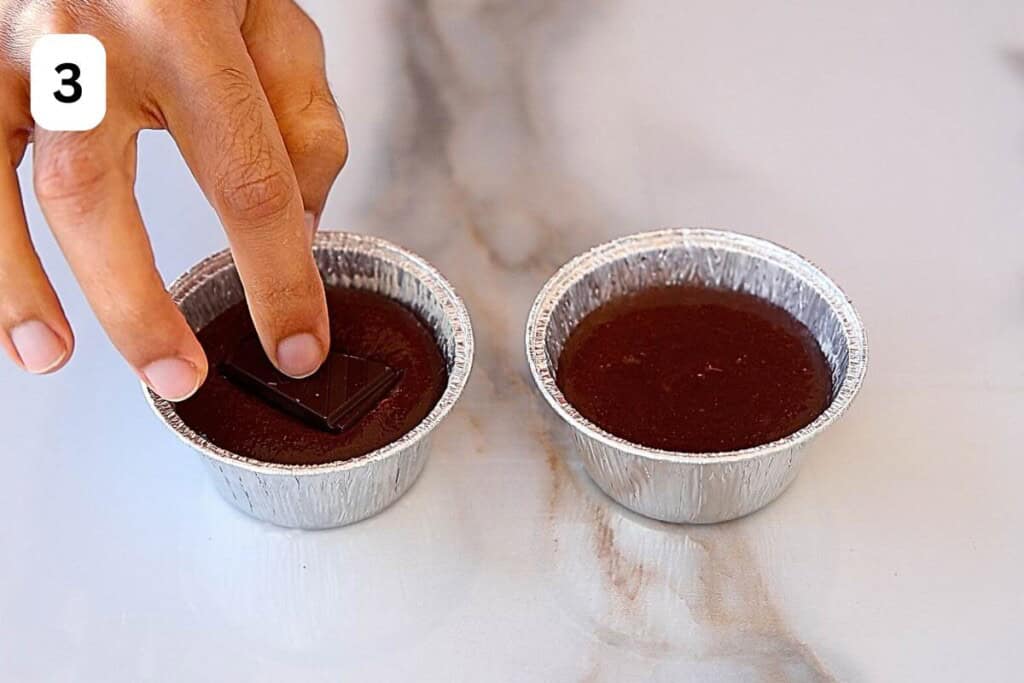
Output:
(299, 355)
(175, 379)
(310, 224)
(39, 347)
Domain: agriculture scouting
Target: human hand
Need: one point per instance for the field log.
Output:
(240, 85)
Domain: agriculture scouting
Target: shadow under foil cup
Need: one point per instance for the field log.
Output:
(338, 493)
(694, 487)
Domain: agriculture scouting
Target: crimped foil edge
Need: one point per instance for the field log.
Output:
(458, 371)
(799, 267)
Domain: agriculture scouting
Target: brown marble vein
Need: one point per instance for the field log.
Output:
(475, 183)
(671, 592)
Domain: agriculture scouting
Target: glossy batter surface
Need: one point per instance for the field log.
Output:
(694, 369)
(363, 324)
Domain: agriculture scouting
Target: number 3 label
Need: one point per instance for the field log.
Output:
(72, 81)
(68, 82)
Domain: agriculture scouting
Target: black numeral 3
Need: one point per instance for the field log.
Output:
(70, 81)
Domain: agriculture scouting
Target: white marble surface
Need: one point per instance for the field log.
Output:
(884, 140)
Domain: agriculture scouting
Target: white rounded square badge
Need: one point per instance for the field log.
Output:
(68, 80)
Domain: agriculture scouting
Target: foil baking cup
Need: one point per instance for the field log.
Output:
(338, 493)
(694, 487)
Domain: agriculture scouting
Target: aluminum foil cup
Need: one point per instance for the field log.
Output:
(694, 487)
(339, 493)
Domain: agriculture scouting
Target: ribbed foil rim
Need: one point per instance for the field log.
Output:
(576, 269)
(458, 373)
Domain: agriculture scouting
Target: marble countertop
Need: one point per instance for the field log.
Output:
(883, 140)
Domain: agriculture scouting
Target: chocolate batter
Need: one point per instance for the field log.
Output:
(694, 369)
(363, 324)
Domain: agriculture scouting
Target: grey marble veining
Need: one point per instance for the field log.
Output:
(475, 158)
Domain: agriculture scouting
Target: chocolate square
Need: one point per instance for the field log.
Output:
(334, 398)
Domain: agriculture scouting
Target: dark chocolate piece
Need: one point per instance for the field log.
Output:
(363, 323)
(335, 397)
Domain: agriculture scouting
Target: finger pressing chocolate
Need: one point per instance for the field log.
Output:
(230, 139)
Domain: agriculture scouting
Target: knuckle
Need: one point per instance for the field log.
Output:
(321, 104)
(277, 295)
(311, 34)
(253, 185)
(72, 170)
(323, 133)
(329, 145)
(282, 302)
(255, 191)
(337, 149)
(334, 147)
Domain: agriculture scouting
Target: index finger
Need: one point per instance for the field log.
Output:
(228, 135)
